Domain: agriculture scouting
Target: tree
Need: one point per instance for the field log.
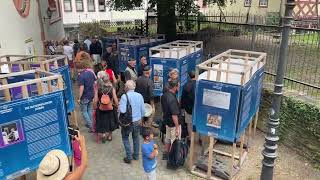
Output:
(166, 11)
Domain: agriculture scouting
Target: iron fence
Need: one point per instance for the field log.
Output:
(303, 67)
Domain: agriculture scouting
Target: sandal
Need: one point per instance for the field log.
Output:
(109, 137)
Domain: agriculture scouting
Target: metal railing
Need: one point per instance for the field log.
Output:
(303, 68)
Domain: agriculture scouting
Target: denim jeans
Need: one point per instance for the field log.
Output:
(86, 110)
(125, 132)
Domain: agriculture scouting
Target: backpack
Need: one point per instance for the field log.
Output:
(105, 102)
(125, 119)
(177, 155)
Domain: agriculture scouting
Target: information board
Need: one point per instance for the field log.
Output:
(216, 109)
(29, 129)
(65, 72)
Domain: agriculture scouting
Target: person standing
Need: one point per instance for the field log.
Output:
(76, 47)
(145, 88)
(130, 73)
(138, 110)
(106, 120)
(143, 63)
(86, 80)
(87, 41)
(171, 113)
(96, 50)
(68, 51)
(149, 154)
(187, 101)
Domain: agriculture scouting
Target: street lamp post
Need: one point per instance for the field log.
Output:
(271, 139)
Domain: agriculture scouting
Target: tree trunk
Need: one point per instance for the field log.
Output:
(167, 19)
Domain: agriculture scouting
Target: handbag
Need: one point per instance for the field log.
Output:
(125, 119)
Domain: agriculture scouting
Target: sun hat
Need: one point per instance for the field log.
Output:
(54, 165)
(148, 109)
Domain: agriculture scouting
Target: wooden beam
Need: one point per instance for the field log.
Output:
(210, 157)
(7, 95)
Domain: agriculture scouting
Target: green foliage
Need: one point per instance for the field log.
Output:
(299, 125)
(92, 29)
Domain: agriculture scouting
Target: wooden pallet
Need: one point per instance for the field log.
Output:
(233, 155)
(44, 62)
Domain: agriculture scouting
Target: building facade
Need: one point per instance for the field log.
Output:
(26, 24)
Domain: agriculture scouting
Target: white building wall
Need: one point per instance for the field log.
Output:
(14, 29)
(75, 17)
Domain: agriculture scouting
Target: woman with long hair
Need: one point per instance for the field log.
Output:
(106, 119)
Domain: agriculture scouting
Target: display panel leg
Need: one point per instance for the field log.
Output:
(74, 118)
(234, 146)
(241, 147)
(210, 157)
(255, 123)
(191, 152)
(249, 136)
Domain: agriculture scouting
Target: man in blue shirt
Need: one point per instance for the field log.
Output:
(138, 111)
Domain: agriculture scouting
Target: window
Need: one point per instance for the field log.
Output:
(91, 6)
(247, 3)
(102, 5)
(263, 3)
(67, 5)
(79, 5)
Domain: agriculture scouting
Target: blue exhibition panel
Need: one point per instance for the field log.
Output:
(30, 128)
(250, 100)
(161, 66)
(65, 72)
(216, 116)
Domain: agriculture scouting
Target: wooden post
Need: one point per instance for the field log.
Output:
(241, 147)
(249, 136)
(7, 95)
(210, 157)
(39, 84)
(255, 123)
(232, 160)
(25, 93)
(49, 86)
(65, 61)
(56, 64)
(191, 151)
(42, 67)
(60, 83)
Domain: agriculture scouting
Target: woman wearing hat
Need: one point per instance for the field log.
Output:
(55, 165)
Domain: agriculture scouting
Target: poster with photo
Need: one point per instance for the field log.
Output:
(11, 133)
(214, 121)
(158, 76)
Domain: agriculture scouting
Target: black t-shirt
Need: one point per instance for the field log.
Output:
(170, 106)
(187, 98)
(144, 86)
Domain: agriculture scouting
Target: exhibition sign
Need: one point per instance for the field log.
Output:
(216, 116)
(65, 72)
(30, 128)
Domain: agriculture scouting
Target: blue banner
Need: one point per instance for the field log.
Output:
(30, 128)
(65, 72)
(216, 109)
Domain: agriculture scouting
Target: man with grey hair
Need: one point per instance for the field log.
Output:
(138, 110)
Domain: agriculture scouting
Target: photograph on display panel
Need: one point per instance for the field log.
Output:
(11, 133)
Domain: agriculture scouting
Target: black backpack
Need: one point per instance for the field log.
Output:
(125, 119)
(178, 154)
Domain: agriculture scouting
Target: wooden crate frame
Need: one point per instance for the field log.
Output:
(258, 58)
(49, 77)
(44, 62)
(176, 46)
(241, 157)
(140, 39)
(25, 61)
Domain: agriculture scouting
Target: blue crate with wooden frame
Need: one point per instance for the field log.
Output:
(182, 55)
(134, 47)
(228, 93)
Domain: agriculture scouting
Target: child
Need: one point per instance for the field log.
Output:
(149, 154)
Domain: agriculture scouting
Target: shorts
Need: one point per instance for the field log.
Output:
(171, 134)
(152, 175)
(188, 118)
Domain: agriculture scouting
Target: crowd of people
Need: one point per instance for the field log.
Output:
(101, 100)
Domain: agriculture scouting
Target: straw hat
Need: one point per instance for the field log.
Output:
(148, 109)
(54, 166)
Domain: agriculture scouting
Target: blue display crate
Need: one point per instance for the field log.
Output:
(136, 47)
(182, 55)
(228, 94)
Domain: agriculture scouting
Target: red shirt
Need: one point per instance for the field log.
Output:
(110, 73)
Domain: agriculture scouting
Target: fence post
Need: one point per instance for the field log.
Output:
(254, 33)
(198, 21)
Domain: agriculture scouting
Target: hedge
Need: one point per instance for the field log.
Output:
(299, 125)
